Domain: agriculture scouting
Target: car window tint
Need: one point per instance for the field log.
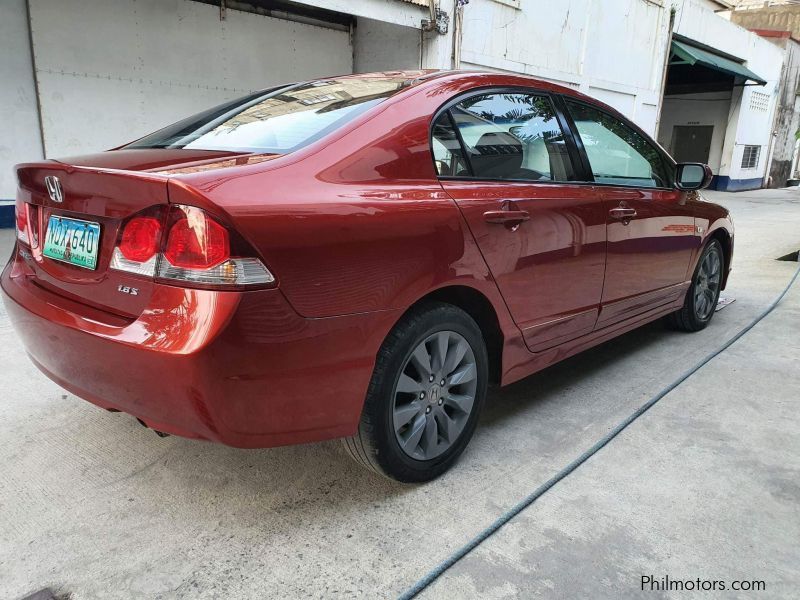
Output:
(617, 153)
(447, 153)
(513, 136)
(277, 121)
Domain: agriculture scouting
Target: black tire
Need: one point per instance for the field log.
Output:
(375, 444)
(690, 318)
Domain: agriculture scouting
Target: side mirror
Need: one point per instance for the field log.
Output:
(693, 176)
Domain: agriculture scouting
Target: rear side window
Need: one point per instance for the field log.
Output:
(513, 136)
(617, 154)
(277, 121)
(447, 152)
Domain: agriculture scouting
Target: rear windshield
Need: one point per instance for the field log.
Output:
(276, 121)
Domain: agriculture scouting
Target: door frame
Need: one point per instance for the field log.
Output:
(581, 172)
(668, 161)
(649, 299)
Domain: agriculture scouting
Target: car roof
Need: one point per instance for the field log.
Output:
(415, 78)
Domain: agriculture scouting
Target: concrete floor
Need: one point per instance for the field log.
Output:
(705, 485)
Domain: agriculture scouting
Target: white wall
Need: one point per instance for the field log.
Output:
(697, 109)
(613, 50)
(151, 62)
(19, 121)
(112, 70)
(748, 124)
(380, 46)
(396, 12)
(713, 6)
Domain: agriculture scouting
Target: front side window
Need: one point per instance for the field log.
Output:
(618, 155)
(276, 121)
(512, 136)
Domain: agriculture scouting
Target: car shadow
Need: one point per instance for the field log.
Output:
(504, 403)
(320, 478)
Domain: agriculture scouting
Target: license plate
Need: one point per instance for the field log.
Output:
(72, 241)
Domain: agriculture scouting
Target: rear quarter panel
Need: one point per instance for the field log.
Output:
(358, 224)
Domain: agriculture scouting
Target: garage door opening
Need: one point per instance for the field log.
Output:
(702, 94)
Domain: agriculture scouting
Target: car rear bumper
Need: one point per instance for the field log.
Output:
(240, 368)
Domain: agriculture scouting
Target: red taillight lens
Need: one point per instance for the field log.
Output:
(21, 216)
(140, 239)
(196, 241)
(198, 251)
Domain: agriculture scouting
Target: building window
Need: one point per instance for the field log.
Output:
(750, 157)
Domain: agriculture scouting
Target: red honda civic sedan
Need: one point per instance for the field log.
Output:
(356, 257)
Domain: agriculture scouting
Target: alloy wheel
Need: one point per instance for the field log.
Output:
(706, 288)
(434, 395)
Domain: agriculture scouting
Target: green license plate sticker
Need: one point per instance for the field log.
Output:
(72, 241)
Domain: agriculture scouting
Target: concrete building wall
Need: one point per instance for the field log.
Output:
(714, 5)
(780, 18)
(787, 117)
(584, 44)
(752, 107)
(152, 62)
(380, 46)
(396, 12)
(706, 109)
(19, 121)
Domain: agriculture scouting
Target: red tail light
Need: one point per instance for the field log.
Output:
(140, 239)
(21, 218)
(198, 251)
(196, 241)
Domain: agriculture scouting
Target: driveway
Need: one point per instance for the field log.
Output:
(704, 485)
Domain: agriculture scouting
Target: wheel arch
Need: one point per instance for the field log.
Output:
(726, 241)
(480, 308)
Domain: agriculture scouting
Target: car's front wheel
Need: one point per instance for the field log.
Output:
(425, 395)
(703, 295)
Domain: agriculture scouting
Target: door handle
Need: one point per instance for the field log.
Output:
(511, 218)
(623, 212)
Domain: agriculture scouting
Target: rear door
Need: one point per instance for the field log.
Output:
(651, 230)
(503, 157)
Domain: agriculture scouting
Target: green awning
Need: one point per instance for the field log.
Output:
(692, 55)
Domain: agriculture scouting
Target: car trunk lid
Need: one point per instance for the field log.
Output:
(90, 195)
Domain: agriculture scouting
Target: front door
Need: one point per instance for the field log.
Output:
(651, 229)
(505, 161)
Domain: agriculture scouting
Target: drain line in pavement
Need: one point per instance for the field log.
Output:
(540, 491)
